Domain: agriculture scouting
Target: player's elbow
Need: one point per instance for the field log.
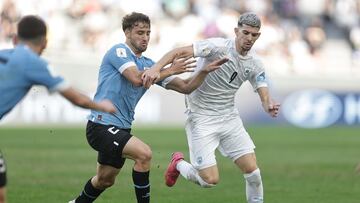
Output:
(184, 89)
(188, 88)
(187, 91)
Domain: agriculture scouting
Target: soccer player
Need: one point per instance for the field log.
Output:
(120, 81)
(213, 121)
(22, 67)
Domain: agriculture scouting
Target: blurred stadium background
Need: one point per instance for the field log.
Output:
(305, 44)
(311, 50)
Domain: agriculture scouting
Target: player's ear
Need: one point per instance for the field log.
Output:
(15, 39)
(257, 37)
(236, 30)
(45, 42)
(127, 32)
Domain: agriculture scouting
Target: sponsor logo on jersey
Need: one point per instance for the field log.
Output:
(121, 52)
(312, 108)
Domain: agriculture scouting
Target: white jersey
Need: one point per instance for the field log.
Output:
(216, 95)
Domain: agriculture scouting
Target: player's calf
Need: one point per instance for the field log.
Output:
(254, 187)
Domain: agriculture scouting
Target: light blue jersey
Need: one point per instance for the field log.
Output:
(20, 69)
(114, 86)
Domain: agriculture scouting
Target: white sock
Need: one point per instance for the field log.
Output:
(254, 187)
(190, 173)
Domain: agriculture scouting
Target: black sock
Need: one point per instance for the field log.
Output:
(142, 186)
(89, 194)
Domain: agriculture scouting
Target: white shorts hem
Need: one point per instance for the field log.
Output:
(205, 166)
(242, 154)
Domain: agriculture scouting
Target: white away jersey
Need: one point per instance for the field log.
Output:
(216, 95)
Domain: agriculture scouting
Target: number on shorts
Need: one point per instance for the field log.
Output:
(2, 165)
(111, 130)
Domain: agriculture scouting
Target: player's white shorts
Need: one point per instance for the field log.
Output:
(207, 133)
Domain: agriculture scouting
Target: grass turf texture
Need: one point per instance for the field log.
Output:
(298, 165)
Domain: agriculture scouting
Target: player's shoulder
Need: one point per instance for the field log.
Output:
(119, 50)
(22, 51)
(219, 41)
(23, 54)
(254, 57)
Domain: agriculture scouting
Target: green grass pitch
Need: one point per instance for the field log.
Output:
(50, 165)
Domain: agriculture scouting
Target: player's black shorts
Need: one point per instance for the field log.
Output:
(109, 141)
(2, 171)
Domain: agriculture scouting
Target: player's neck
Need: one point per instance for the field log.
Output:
(243, 52)
(33, 47)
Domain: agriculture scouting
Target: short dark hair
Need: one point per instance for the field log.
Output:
(31, 27)
(250, 19)
(131, 20)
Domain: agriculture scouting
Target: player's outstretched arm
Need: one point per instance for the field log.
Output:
(83, 101)
(178, 66)
(150, 76)
(270, 106)
(188, 85)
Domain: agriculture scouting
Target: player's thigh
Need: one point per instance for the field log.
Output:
(247, 163)
(107, 139)
(136, 149)
(235, 140)
(202, 139)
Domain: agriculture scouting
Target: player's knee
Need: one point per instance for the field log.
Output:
(249, 168)
(212, 180)
(103, 182)
(207, 181)
(144, 158)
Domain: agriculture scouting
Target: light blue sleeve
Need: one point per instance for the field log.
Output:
(120, 58)
(38, 73)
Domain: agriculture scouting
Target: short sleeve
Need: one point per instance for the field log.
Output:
(120, 58)
(38, 73)
(166, 81)
(258, 77)
(204, 48)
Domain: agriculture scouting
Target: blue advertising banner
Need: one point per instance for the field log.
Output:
(313, 108)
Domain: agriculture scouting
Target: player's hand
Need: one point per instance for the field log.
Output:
(272, 108)
(107, 106)
(214, 65)
(149, 77)
(182, 65)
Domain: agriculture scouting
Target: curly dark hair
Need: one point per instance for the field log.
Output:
(131, 20)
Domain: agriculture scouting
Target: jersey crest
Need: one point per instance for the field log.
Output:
(121, 52)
